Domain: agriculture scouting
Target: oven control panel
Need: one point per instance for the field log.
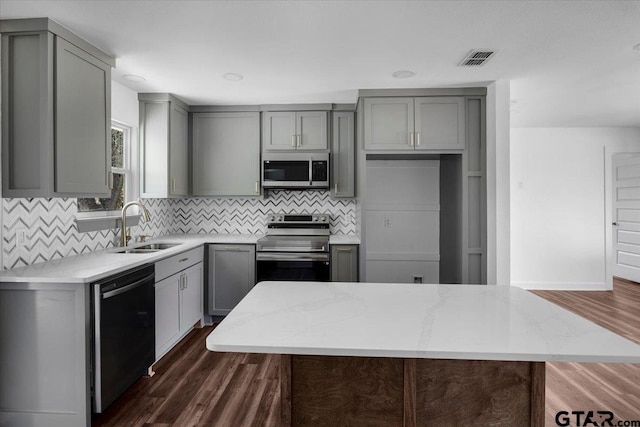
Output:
(299, 218)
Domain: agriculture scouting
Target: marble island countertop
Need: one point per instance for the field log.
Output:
(413, 321)
(89, 267)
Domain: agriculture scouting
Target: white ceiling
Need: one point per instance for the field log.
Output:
(571, 63)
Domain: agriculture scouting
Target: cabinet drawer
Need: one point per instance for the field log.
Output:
(179, 262)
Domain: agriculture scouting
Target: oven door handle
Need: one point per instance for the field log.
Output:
(292, 257)
(293, 249)
(127, 288)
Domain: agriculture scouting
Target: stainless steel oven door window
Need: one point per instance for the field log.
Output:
(293, 267)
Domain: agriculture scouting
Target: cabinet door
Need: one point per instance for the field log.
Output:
(344, 263)
(311, 127)
(167, 313)
(27, 108)
(343, 155)
(226, 154)
(191, 297)
(439, 123)
(82, 122)
(388, 123)
(232, 270)
(278, 130)
(178, 151)
(154, 142)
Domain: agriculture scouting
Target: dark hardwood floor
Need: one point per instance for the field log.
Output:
(195, 387)
(598, 386)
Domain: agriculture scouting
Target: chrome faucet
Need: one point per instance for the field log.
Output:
(145, 216)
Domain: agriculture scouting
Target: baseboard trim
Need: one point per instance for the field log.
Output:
(563, 286)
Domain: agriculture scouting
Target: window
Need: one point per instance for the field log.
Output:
(120, 175)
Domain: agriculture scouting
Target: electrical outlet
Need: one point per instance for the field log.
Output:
(387, 222)
(21, 237)
(417, 279)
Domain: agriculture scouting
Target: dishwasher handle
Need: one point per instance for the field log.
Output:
(127, 288)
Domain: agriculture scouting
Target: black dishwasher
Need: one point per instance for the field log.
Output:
(124, 332)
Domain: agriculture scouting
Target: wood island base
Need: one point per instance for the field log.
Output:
(332, 390)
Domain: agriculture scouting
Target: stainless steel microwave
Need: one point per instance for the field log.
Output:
(295, 170)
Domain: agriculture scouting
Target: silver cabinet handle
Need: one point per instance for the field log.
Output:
(183, 260)
(110, 180)
(335, 188)
(257, 187)
(173, 185)
(293, 141)
(411, 139)
(417, 139)
(343, 249)
(299, 138)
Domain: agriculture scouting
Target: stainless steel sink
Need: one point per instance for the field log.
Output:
(136, 251)
(157, 246)
(146, 249)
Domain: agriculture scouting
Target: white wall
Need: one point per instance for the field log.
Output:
(558, 209)
(124, 104)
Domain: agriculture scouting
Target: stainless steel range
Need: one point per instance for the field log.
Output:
(296, 247)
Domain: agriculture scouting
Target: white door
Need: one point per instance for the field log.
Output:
(626, 216)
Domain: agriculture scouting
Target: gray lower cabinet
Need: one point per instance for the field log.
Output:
(164, 139)
(45, 345)
(226, 154)
(179, 293)
(56, 121)
(294, 131)
(420, 123)
(344, 263)
(343, 154)
(232, 273)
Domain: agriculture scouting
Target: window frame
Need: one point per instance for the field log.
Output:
(103, 220)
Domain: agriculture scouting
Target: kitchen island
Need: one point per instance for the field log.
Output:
(412, 354)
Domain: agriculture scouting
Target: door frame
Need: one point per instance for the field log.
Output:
(609, 153)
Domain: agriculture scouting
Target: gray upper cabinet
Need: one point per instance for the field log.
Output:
(422, 123)
(279, 130)
(226, 154)
(164, 138)
(343, 154)
(294, 130)
(56, 121)
(388, 123)
(439, 123)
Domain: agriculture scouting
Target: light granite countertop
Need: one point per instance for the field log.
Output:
(89, 267)
(472, 322)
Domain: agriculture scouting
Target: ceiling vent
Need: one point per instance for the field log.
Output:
(477, 57)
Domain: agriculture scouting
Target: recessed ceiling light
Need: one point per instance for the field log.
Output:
(403, 74)
(133, 78)
(637, 47)
(234, 77)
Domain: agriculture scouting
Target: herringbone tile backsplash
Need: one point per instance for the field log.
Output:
(51, 230)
